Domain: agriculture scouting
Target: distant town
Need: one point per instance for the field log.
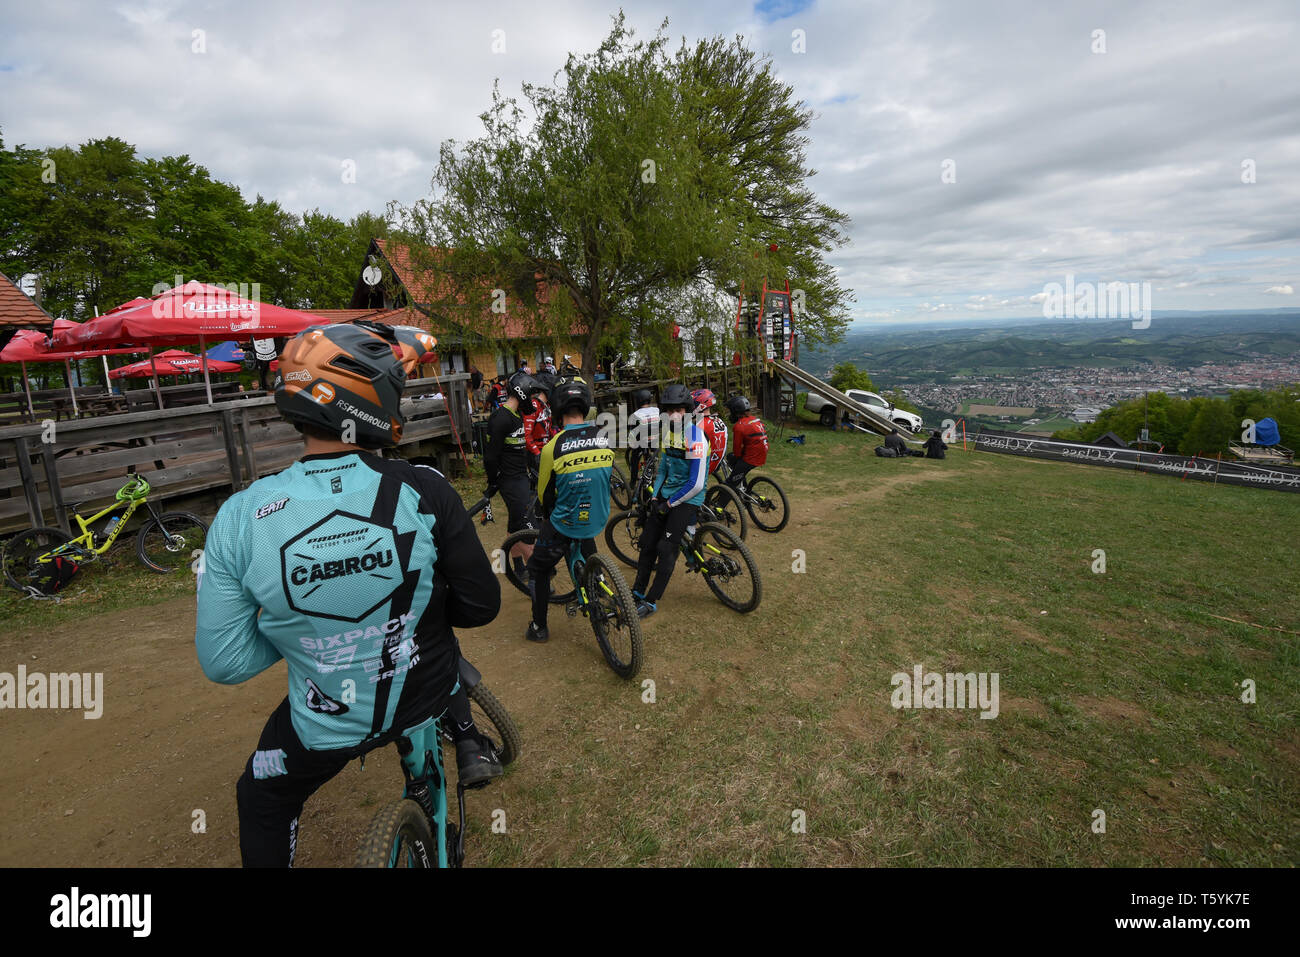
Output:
(1048, 399)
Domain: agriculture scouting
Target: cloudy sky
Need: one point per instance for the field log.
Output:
(983, 150)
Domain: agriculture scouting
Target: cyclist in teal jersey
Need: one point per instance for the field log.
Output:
(354, 569)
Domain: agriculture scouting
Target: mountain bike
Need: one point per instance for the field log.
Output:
(723, 504)
(763, 498)
(599, 593)
(711, 550)
(415, 831)
(164, 543)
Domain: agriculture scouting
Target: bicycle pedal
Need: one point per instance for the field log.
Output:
(571, 609)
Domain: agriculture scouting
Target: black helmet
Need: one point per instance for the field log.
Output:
(676, 396)
(642, 397)
(737, 405)
(334, 376)
(571, 395)
(522, 386)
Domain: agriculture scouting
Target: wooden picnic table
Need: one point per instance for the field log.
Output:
(106, 404)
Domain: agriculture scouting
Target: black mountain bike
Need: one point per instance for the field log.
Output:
(722, 503)
(762, 497)
(711, 550)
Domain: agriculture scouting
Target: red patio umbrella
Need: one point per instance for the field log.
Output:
(171, 362)
(27, 345)
(195, 312)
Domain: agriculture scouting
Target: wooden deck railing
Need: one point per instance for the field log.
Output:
(48, 465)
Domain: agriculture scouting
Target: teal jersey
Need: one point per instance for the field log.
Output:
(353, 569)
(573, 480)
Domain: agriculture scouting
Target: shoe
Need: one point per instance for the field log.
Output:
(477, 762)
(537, 634)
(646, 608)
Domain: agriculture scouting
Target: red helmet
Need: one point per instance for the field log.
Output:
(704, 399)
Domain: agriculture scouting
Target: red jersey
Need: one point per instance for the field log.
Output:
(538, 428)
(715, 430)
(751, 440)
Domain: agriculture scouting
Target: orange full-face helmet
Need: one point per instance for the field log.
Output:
(333, 376)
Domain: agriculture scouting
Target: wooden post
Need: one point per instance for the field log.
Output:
(250, 460)
(232, 457)
(34, 511)
(56, 492)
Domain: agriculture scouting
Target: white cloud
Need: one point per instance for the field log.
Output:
(1278, 291)
(1124, 166)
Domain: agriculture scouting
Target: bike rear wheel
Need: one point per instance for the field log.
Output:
(767, 504)
(168, 542)
(623, 536)
(612, 614)
(620, 489)
(728, 567)
(18, 557)
(399, 836)
(723, 506)
(521, 580)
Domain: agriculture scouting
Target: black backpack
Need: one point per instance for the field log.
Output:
(48, 578)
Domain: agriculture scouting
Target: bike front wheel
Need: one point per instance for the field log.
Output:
(399, 836)
(20, 554)
(519, 576)
(767, 504)
(623, 535)
(722, 506)
(492, 719)
(728, 567)
(613, 617)
(170, 540)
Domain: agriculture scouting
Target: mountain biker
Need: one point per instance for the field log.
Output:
(572, 494)
(678, 493)
(506, 459)
(354, 569)
(750, 448)
(539, 427)
(643, 430)
(715, 430)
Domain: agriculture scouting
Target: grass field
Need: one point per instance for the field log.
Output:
(1120, 692)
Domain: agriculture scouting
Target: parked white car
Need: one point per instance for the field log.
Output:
(829, 413)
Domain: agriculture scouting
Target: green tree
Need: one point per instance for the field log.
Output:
(636, 176)
(1210, 429)
(848, 376)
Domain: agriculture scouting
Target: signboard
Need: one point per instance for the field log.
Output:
(1278, 477)
(264, 349)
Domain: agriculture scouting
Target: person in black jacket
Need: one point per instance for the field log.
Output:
(934, 446)
(895, 441)
(506, 459)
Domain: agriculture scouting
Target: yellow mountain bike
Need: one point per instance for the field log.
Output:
(165, 542)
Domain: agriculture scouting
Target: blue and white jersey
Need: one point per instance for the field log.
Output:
(684, 465)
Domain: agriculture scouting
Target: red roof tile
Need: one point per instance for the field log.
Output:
(424, 288)
(17, 311)
(343, 315)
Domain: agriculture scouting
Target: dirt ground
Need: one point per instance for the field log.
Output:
(124, 789)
